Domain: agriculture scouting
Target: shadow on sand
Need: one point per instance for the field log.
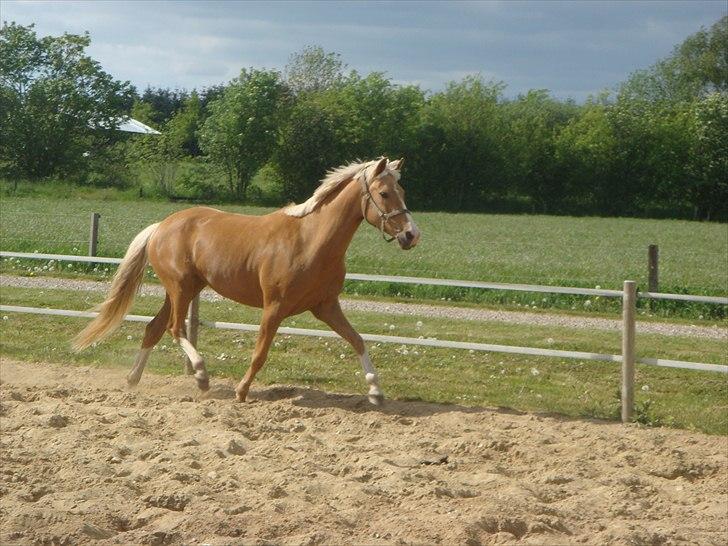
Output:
(306, 397)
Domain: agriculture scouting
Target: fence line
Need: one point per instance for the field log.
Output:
(439, 343)
(427, 281)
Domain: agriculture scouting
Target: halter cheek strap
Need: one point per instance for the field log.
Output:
(384, 217)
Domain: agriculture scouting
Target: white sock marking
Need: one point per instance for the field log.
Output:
(370, 374)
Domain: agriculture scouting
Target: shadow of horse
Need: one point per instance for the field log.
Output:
(307, 397)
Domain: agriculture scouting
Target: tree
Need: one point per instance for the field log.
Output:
(533, 121)
(241, 131)
(308, 146)
(313, 70)
(585, 151)
(55, 101)
(696, 68)
(709, 160)
(165, 103)
(462, 145)
(185, 124)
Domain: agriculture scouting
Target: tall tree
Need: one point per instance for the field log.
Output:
(463, 130)
(54, 100)
(241, 131)
(533, 120)
(313, 70)
(709, 158)
(308, 146)
(185, 124)
(165, 102)
(696, 67)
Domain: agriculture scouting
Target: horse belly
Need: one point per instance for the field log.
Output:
(228, 266)
(245, 291)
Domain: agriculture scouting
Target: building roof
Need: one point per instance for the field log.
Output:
(130, 125)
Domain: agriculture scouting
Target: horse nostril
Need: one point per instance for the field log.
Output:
(409, 235)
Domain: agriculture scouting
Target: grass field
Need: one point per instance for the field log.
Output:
(564, 251)
(502, 248)
(680, 398)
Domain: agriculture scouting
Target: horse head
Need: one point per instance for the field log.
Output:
(388, 211)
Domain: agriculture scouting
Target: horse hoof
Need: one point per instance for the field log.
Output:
(203, 384)
(132, 381)
(239, 398)
(376, 399)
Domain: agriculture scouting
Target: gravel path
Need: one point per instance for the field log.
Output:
(415, 309)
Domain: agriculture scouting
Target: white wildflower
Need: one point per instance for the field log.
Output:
(534, 372)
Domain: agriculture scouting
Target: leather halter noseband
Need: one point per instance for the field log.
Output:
(384, 217)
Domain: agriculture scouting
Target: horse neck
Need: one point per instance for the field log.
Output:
(332, 226)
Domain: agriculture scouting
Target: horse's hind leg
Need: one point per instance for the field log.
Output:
(180, 303)
(152, 334)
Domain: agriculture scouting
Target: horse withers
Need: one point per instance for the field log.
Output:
(286, 262)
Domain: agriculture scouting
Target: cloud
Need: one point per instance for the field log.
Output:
(571, 48)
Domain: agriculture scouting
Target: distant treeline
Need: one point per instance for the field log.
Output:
(657, 145)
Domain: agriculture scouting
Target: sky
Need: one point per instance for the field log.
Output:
(573, 49)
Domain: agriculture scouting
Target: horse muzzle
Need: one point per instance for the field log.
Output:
(409, 237)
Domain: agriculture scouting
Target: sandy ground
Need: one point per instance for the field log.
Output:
(85, 460)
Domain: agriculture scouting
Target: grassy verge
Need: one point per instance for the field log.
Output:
(680, 398)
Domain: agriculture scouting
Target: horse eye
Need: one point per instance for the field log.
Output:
(384, 194)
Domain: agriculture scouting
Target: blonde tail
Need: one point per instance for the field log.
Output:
(124, 286)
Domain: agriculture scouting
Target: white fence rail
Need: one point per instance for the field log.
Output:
(426, 342)
(426, 281)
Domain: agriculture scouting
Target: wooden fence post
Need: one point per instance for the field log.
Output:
(93, 240)
(653, 253)
(629, 300)
(193, 326)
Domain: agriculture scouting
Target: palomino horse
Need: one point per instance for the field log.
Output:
(286, 262)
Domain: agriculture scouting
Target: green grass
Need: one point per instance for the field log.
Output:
(504, 248)
(584, 252)
(680, 398)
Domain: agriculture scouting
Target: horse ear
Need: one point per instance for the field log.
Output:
(397, 164)
(379, 169)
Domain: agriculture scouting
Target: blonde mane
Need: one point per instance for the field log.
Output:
(333, 179)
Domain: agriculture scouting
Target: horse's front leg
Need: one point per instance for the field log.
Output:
(268, 327)
(330, 312)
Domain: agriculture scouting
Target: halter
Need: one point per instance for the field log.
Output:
(384, 217)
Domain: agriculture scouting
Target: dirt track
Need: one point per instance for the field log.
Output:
(84, 460)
